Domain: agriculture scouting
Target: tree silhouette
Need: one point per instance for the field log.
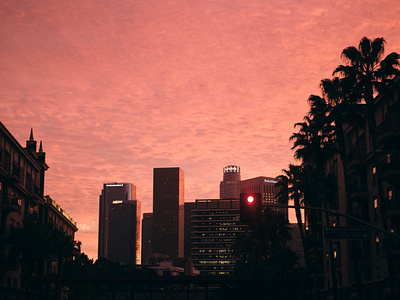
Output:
(263, 250)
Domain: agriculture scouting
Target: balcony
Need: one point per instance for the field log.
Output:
(393, 209)
(34, 193)
(15, 175)
(358, 192)
(355, 158)
(390, 168)
(11, 204)
(396, 247)
(389, 131)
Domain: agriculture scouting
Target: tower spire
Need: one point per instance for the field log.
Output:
(31, 143)
(40, 147)
(31, 136)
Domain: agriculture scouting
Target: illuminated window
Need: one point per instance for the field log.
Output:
(374, 170)
(388, 160)
(376, 203)
(377, 243)
(390, 195)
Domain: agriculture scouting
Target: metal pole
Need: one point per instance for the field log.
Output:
(338, 214)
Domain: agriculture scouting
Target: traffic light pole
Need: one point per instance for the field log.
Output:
(338, 214)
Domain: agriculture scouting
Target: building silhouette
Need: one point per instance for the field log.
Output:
(124, 230)
(24, 210)
(111, 192)
(147, 237)
(373, 196)
(229, 187)
(189, 207)
(168, 213)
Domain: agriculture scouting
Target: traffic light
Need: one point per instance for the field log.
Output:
(250, 208)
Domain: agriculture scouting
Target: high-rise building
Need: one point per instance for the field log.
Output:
(123, 241)
(215, 225)
(147, 237)
(266, 186)
(110, 193)
(168, 213)
(229, 187)
(189, 206)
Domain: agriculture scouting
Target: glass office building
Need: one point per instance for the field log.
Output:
(215, 224)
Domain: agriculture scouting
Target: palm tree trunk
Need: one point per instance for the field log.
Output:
(301, 230)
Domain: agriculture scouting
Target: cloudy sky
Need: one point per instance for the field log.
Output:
(117, 88)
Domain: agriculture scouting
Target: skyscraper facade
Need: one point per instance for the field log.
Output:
(147, 238)
(168, 213)
(229, 187)
(111, 192)
(189, 207)
(215, 225)
(123, 241)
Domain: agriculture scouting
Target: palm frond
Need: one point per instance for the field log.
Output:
(351, 55)
(365, 47)
(377, 48)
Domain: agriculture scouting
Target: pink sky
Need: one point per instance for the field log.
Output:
(117, 88)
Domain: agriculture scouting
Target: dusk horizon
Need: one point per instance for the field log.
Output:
(114, 90)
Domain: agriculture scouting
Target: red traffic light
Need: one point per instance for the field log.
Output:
(250, 208)
(250, 199)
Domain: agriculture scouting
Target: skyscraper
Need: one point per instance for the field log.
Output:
(168, 213)
(110, 193)
(189, 206)
(147, 238)
(229, 187)
(123, 241)
(215, 225)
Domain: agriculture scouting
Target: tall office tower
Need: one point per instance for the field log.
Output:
(189, 206)
(215, 225)
(147, 237)
(110, 193)
(229, 187)
(123, 241)
(268, 189)
(168, 213)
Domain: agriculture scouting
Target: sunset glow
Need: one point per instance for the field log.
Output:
(117, 88)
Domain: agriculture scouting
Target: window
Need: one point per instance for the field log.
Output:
(377, 241)
(376, 206)
(388, 160)
(390, 194)
(374, 175)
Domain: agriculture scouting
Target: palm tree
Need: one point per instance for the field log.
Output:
(291, 188)
(313, 145)
(344, 109)
(369, 73)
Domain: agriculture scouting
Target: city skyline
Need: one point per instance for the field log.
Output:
(109, 88)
